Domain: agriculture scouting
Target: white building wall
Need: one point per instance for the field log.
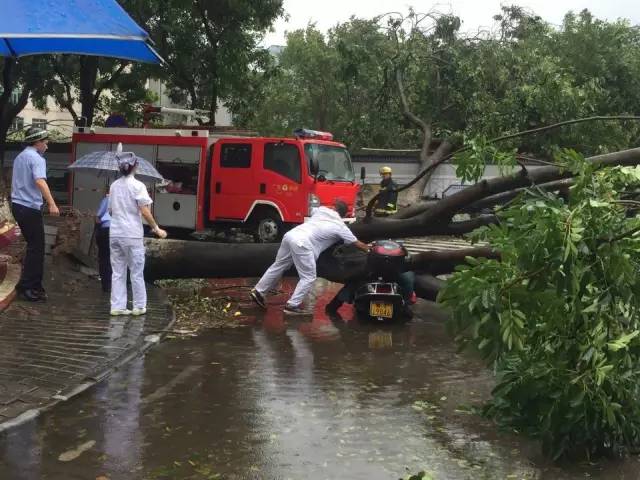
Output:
(56, 118)
(443, 181)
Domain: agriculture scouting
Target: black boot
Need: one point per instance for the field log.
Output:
(332, 307)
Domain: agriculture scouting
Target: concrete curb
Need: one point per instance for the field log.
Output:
(8, 284)
(8, 234)
(139, 350)
(9, 273)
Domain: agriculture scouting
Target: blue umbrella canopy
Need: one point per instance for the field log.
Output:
(84, 27)
(106, 163)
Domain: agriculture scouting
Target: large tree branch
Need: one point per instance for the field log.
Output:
(109, 82)
(7, 85)
(66, 100)
(488, 202)
(406, 111)
(440, 214)
(211, 36)
(600, 118)
(504, 197)
(437, 262)
(427, 171)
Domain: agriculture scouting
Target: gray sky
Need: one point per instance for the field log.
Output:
(474, 13)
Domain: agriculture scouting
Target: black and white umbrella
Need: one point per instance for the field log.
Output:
(106, 163)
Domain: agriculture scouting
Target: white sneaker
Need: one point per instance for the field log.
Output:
(138, 311)
(115, 313)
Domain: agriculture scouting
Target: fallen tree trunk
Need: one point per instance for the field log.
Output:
(194, 259)
(428, 286)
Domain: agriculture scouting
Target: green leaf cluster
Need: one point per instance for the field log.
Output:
(470, 163)
(558, 316)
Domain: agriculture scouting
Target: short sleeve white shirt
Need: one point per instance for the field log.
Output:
(126, 196)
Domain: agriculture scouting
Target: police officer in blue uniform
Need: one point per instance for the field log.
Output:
(28, 189)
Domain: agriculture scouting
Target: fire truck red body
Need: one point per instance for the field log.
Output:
(262, 185)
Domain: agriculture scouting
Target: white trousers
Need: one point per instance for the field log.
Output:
(291, 252)
(127, 253)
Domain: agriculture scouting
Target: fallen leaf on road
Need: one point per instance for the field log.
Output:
(76, 452)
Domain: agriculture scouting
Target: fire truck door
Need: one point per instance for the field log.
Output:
(281, 177)
(232, 182)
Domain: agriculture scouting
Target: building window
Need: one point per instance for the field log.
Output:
(40, 123)
(17, 124)
(283, 158)
(235, 155)
(15, 96)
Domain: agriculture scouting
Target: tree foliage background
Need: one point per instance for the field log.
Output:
(523, 74)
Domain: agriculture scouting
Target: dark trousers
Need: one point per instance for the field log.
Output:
(32, 229)
(104, 257)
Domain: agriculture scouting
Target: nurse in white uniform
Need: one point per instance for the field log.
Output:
(129, 202)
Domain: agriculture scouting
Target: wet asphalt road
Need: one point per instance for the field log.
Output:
(288, 399)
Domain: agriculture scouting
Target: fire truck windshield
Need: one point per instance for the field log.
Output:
(334, 162)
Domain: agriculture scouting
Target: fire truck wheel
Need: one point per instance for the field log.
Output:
(269, 228)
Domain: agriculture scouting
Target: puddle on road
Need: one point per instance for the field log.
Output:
(288, 399)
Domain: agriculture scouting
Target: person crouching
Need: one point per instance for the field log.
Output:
(301, 248)
(129, 202)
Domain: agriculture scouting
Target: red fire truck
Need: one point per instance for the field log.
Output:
(258, 184)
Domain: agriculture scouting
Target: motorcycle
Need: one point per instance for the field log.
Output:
(381, 298)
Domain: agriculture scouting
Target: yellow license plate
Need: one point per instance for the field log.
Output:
(380, 309)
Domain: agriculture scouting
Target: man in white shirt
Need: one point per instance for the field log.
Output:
(301, 247)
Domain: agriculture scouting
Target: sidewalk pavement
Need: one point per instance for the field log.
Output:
(52, 351)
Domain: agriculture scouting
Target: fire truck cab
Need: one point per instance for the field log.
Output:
(261, 185)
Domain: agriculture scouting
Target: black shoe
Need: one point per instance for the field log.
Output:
(407, 313)
(41, 293)
(32, 296)
(257, 297)
(332, 307)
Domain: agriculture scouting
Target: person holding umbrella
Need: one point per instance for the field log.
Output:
(129, 203)
(28, 187)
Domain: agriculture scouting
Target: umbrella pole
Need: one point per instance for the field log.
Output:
(11, 50)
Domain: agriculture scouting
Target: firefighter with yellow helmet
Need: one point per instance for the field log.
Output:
(388, 197)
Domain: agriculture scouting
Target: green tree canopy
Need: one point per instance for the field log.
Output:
(211, 47)
(524, 74)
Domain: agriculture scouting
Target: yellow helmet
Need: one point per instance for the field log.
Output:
(384, 170)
